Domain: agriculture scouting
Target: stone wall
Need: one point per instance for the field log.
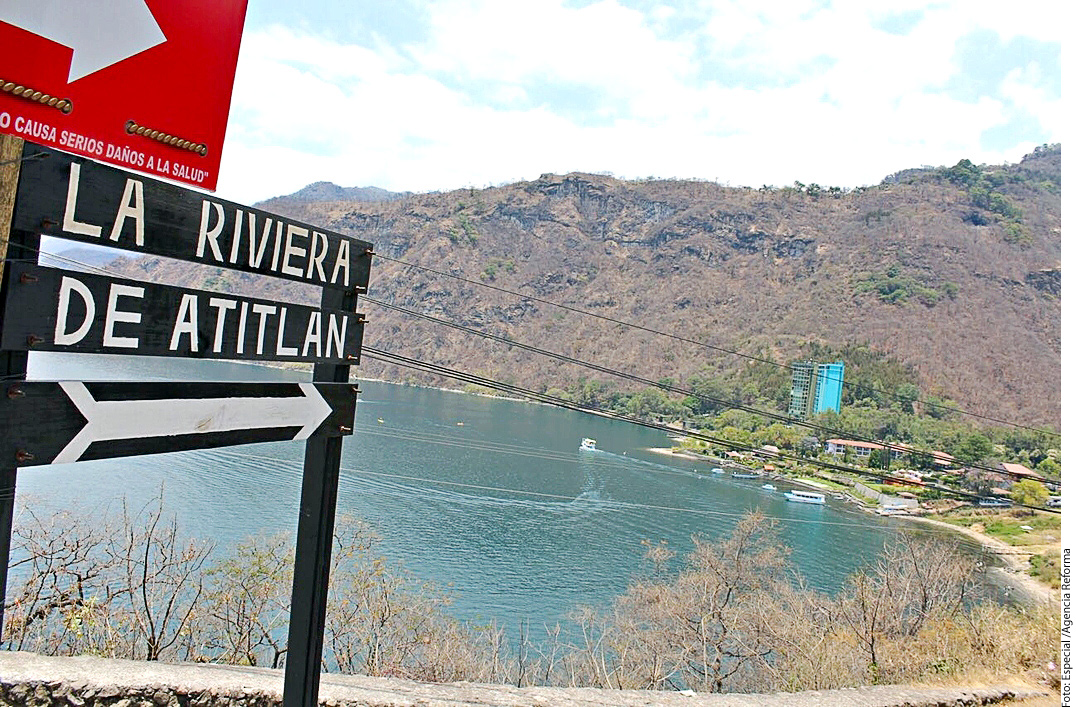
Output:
(31, 680)
(55, 693)
(885, 499)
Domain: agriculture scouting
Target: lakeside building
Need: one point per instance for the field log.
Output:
(837, 447)
(816, 387)
(1020, 472)
(941, 460)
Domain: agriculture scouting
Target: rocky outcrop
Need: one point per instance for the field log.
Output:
(766, 272)
(1047, 281)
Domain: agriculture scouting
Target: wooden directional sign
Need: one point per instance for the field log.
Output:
(48, 309)
(78, 199)
(44, 308)
(57, 422)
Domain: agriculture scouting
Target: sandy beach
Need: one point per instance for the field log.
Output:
(682, 455)
(1015, 558)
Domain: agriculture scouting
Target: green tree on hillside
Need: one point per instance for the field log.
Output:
(964, 173)
(907, 395)
(976, 448)
(1029, 493)
(1049, 467)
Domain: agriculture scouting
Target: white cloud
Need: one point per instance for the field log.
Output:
(1025, 88)
(836, 100)
(1038, 19)
(603, 44)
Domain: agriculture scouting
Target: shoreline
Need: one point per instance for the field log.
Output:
(666, 451)
(360, 379)
(1014, 559)
(1014, 572)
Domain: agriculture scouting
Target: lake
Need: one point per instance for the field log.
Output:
(488, 497)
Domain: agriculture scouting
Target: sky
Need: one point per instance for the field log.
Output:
(412, 95)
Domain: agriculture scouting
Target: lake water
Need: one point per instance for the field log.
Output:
(489, 497)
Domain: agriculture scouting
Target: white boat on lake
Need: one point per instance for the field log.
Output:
(805, 496)
(588, 445)
(769, 487)
(717, 471)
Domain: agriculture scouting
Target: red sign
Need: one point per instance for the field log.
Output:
(144, 84)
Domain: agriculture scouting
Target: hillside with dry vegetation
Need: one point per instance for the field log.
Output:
(951, 273)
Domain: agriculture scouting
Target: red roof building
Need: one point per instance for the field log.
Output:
(1020, 471)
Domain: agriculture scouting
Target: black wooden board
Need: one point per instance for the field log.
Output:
(78, 199)
(49, 309)
(52, 422)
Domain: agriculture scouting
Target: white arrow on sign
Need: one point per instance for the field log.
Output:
(136, 419)
(100, 32)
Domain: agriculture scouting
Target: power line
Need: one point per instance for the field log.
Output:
(45, 255)
(603, 369)
(612, 506)
(712, 347)
(499, 448)
(775, 416)
(889, 446)
(27, 158)
(416, 364)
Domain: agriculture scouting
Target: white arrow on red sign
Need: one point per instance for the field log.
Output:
(100, 32)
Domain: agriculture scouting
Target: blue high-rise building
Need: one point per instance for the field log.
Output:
(816, 387)
(830, 377)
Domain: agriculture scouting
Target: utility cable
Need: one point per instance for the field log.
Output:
(669, 388)
(27, 158)
(46, 255)
(631, 325)
(416, 364)
(613, 506)
(890, 446)
(712, 347)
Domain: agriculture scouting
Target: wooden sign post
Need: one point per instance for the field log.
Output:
(49, 309)
(314, 543)
(12, 363)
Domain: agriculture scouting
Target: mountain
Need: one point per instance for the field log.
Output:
(71, 255)
(952, 273)
(327, 191)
